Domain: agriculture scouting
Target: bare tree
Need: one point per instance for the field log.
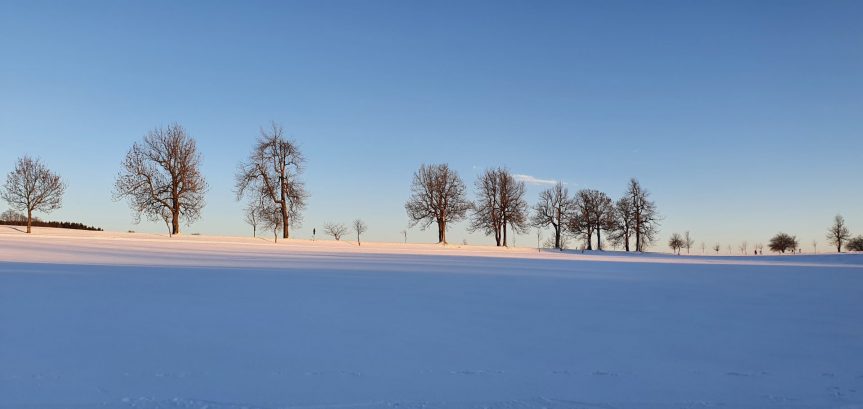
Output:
(688, 242)
(644, 214)
(360, 228)
(782, 242)
(500, 204)
(703, 246)
(676, 242)
(759, 248)
(855, 244)
(555, 208)
(271, 218)
(272, 172)
(716, 248)
(438, 195)
(744, 247)
(252, 215)
(815, 246)
(161, 177)
(595, 214)
(624, 226)
(405, 233)
(31, 186)
(337, 230)
(838, 233)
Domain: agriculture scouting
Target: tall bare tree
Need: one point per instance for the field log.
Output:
(31, 186)
(838, 233)
(500, 204)
(644, 214)
(272, 172)
(688, 241)
(624, 226)
(555, 208)
(161, 177)
(359, 228)
(337, 230)
(438, 195)
(595, 214)
(676, 242)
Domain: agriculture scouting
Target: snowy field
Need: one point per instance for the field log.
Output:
(114, 320)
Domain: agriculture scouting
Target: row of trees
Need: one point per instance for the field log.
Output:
(439, 196)
(838, 235)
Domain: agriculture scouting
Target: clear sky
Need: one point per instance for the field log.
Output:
(742, 118)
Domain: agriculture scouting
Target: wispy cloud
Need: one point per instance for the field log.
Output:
(530, 180)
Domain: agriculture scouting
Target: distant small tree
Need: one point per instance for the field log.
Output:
(13, 216)
(716, 248)
(33, 187)
(337, 230)
(271, 218)
(405, 233)
(838, 233)
(759, 248)
(252, 215)
(744, 247)
(855, 244)
(360, 228)
(688, 242)
(781, 242)
(814, 246)
(703, 246)
(676, 242)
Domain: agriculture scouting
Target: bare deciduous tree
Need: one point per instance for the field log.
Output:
(555, 208)
(716, 248)
(271, 218)
(595, 214)
(252, 215)
(33, 187)
(744, 247)
(337, 230)
(360, 228)
(644, 214)
(272, 173)
(161, 177)
(855, 244)
(500, 204)
(688, 242)
(676, 242)
(838, 233)
(624, 226)
(438, 195)
(782, 242)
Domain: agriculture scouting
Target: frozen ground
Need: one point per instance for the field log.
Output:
(109, 320)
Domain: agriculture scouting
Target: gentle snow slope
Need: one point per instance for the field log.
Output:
(107, 320)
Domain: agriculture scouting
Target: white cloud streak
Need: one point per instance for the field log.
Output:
(530, 180)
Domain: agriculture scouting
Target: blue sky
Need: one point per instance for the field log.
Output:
(743, 118)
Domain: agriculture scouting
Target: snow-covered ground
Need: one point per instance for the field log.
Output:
(118, 320)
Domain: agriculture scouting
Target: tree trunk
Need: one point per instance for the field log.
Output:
(175, 220)
(504, 234)
(441, 232)
(557, 236)
(285, 222)
(29, 220)
(599, 239)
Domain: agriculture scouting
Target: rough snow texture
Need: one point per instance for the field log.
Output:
(109, 320)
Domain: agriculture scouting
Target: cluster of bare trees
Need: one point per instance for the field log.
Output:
(589, 212)
(438, 195)
(839, 234)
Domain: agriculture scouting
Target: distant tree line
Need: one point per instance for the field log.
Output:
(838, 235)
(13, 218)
